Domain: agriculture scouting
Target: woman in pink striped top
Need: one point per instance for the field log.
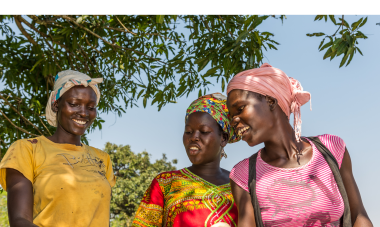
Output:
(294, 184)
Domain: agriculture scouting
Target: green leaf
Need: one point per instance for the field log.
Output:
(144, 102)
(318, 17)
(356, 24)
(349, 40)
(258, 38)
(199, 60)
(160, 19)
(323, 40)
(359, 51)
(203, 65)
(349, 60)
(140, 93)
(343, 60)
(211, 71)
(241, 36)
(326, 45)
(363, 23)
(341, 48)
(35, 65)
(332, 18)
(200, 93)
(257, 22)
(327, 54)
(315, 34)
(223, 84)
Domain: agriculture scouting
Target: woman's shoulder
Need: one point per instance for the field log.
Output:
(27, 143)
(99, 152)
(240, 173)
(168, 174)
(335, 144)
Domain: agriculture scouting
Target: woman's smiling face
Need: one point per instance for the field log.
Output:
(251, 115)
(76, 110)
(203, 138)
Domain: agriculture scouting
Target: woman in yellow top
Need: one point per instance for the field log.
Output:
(58, 181)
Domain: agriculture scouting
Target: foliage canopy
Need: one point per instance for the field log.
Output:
(134, 173)
(153, 58)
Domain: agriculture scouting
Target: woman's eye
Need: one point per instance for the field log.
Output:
(205, 132)
(187, 132)
(241, 109)
(72, 104)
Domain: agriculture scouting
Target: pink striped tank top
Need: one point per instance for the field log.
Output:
(302, 196)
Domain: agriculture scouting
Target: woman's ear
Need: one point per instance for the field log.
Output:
(54, 106)
(272, 102)
(224, 139)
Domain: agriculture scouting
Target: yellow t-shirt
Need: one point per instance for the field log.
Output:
(71, 184)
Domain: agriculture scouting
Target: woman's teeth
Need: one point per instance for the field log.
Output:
(194, 148)
(80, 122)
(242, 130)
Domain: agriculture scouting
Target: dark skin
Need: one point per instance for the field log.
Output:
(203, 140)
(76, 105)
(268, 124)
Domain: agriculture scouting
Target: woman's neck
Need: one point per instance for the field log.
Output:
(207, 169)
(62, 136)
(282, 142)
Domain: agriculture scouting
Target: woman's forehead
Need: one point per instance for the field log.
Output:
(237, 95)
(80, 92)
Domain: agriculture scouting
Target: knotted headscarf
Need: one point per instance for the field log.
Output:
(271, 81)
(63, 82)
(215, 105)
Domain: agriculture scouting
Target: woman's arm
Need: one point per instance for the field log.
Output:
(359, 215)
(151, 209)
(20, 199)
(246, 216)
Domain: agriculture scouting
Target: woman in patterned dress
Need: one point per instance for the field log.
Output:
(294, 184)
(199, 195)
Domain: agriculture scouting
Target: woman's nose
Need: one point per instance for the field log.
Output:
(195, 136)
(235, 121)
(83, 111)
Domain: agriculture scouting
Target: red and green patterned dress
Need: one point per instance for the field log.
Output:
(181, 198)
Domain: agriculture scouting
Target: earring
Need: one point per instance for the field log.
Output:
(223, 154)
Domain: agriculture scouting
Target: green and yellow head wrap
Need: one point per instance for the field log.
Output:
(215, 105)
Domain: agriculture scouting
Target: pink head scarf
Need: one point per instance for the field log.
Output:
(268, 80)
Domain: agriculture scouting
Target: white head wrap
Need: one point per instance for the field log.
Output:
(63, 82)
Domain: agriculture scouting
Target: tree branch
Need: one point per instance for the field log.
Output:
(24, 118)
(125, 27)
(116, 29)
(44, 125)
(206, 25)
(225, 26)
(21, 129)
(341, 24)
(23, 31)
(94, 48)
(88, 59)
(45, 35)
(105, 41)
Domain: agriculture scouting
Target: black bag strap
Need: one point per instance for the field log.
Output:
(252, 190)
(330, 159)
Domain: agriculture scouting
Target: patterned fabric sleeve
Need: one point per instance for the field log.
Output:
(151, 210)
(239, 174)
(336, 146)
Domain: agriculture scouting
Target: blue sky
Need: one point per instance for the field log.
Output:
(345, 102)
